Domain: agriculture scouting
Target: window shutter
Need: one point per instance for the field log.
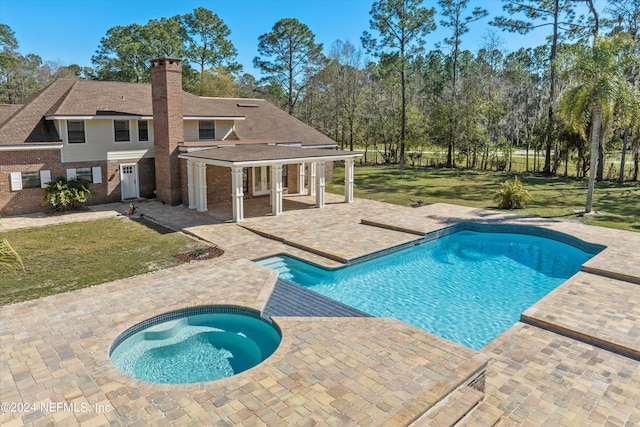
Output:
(16, 181)
(45, 178)
(71, 174)
(96, 173)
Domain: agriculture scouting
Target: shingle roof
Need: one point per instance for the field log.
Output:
(27, 124)
(7, 110)
(264, 152)
(90, 97)
(263, 121)
(267, 122)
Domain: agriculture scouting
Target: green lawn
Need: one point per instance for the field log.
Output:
(66, 257)
(617, 206)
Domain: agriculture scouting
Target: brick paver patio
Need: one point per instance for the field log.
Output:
(331, 371)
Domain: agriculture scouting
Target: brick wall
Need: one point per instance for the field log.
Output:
(168, 127)
(29, 200)
(293, 176)
(218, 184)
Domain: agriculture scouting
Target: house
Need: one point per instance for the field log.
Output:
(156, 141)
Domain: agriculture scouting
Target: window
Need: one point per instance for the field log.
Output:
(75, 131)
(285, 176)
(84, 174)
(121, 129)
(206, 129)
(30, 179)
(93, 174)
(143, 130)
(22, 180)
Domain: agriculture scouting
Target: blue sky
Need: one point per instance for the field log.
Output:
(69, 31)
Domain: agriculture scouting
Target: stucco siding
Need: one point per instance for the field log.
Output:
(222, 129)
(100, 139)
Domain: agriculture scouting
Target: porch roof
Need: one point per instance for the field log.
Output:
(264, 154)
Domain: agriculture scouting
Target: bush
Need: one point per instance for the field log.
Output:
(512, 195)
(66, 195)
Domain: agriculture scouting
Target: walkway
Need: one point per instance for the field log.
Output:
(571, 363)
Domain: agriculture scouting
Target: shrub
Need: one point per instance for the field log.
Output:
(66, 195)
(512, 195)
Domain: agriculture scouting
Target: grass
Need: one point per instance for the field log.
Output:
(616, 206)
(67, 257)
(434, 157)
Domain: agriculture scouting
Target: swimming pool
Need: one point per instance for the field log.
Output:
(468, 286)
(195, 345)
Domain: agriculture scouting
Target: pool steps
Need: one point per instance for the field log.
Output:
(451, 409)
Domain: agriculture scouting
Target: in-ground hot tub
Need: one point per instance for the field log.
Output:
(195, 345)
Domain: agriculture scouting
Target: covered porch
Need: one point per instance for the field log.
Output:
(222, 174)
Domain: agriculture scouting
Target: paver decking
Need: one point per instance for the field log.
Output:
(594, 308)
(330, 371)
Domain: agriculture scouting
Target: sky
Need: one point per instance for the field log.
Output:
(69, 31)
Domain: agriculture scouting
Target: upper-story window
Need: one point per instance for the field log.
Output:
(121, 130)
(75, 131)
(143, 130)
(206, 129)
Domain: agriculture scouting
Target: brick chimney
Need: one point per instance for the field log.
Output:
(168, 126)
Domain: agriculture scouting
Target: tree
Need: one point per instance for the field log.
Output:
(347, 78)
(402, 25)
(208, 43)
(8, 41)
(289, 56)
(597, 91)
(538, 12)
(123, 55)
(218, 82)
(626, 19)
(452, 9)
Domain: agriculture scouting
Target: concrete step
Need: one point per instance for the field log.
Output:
(483, 415)
(451, 409)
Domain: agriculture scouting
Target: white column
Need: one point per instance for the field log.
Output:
(348, 180)
(201, 187)
(237, 195)
(191, 183)
(301, 178)
(312, 179)
(319, 179)
(276, 189)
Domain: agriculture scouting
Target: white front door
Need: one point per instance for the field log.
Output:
(261, 180)
(129, 181)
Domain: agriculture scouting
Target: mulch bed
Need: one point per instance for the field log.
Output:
(206, 253)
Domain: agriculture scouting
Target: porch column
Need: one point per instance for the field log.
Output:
(348, 180)
(237, 195)
(276, 189)
(191, 183)
(319, 179)
(312, 179)
(201, 187)
(301, 178)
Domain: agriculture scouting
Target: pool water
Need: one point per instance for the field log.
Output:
(196, 348)
(467, 287)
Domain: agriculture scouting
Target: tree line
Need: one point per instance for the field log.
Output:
(403, 104)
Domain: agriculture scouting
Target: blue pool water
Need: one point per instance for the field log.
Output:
(196, 348)
(468, 287)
